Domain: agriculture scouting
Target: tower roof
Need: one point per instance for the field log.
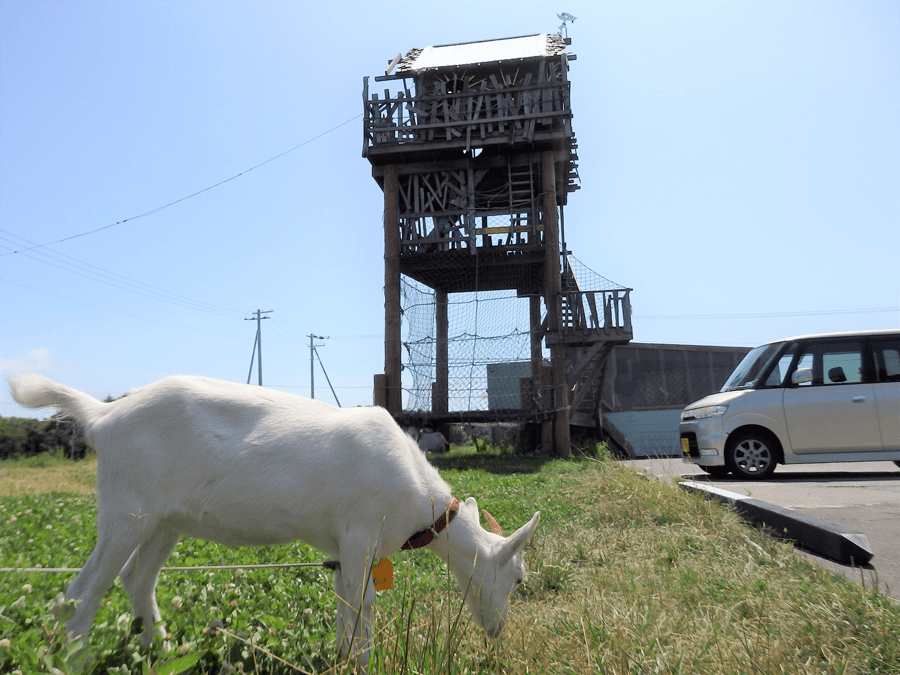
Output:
(486, 51)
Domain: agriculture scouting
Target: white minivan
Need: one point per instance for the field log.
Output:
(833, 397)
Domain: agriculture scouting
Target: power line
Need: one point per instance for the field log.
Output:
(286, 330)
(89, 271)
(185, 198)
(116, 311)
(772, 315)
(290, 333)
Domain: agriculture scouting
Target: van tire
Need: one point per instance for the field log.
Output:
(751, 456)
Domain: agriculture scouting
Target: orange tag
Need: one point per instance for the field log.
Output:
(383, 574)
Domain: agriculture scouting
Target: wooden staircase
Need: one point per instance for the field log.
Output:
(592, 323)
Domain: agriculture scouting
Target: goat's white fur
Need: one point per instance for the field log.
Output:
(244, 465)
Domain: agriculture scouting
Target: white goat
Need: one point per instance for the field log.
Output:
(244, 465)
(429, 441)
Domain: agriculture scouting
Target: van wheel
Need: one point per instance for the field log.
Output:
(751, 456)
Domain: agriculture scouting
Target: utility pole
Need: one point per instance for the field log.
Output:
(312, 381)
(312, 372)
(257, 344)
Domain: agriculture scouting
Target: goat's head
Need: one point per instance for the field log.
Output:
(496, 570)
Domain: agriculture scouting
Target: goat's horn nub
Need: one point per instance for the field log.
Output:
(495, 528)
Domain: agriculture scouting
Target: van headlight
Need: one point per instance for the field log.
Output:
(703, 413)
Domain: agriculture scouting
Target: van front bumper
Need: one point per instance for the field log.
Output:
(703, 442)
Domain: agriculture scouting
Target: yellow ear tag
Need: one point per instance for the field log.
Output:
(383, 574)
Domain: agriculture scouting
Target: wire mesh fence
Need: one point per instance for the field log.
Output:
(488, 343)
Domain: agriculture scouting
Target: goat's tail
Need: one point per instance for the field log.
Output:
(35, 391)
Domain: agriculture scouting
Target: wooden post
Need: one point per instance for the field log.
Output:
(537, 354)
(540, 394)
(547, 441)
(379, 394)
(440, 399)
(552, 295)
(392, 343)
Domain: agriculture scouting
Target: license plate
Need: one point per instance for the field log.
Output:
(685, 447)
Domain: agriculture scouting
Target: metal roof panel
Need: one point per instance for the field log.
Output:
(487, 51)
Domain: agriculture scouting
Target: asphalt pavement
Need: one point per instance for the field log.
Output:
(861, 496)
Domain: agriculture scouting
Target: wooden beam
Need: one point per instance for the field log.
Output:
(553, 293)
(537, 354)
(440, 394)
(392, 344)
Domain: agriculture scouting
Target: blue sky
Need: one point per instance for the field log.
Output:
(739, 164)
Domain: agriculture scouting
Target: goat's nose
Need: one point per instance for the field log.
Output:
(494, 630)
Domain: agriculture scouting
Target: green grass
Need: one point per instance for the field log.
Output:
(626, 575)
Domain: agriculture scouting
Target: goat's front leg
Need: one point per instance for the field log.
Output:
(355, 596)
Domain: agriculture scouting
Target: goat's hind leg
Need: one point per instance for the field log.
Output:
(87, 590)
(139, 578)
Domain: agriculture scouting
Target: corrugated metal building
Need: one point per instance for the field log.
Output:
(647, 385)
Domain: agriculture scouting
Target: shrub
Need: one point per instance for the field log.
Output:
(24, 437)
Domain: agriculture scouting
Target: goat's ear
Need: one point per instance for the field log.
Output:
(517, 540)
(470, 508)
(495, 527)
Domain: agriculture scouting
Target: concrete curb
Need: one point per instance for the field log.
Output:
(835, 542)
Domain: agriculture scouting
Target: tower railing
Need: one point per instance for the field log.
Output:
(607, 311)
(491, 112)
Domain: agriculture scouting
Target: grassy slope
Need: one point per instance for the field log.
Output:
(625, 576)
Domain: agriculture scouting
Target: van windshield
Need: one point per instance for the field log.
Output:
(749, 370)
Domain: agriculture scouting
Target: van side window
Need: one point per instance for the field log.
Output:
(887, 360)
(833, 363)
(780, 370)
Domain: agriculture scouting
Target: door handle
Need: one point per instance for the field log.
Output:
(858, 399)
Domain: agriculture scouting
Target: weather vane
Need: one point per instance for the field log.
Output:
(565, 17)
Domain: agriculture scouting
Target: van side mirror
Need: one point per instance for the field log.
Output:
(802, 376)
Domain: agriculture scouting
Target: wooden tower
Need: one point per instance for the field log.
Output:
(467, 132)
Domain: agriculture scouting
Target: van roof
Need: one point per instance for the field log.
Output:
(852, 333)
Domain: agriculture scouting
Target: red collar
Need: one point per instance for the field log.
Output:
(428, 535)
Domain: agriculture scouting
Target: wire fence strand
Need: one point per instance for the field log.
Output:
(327, 564)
